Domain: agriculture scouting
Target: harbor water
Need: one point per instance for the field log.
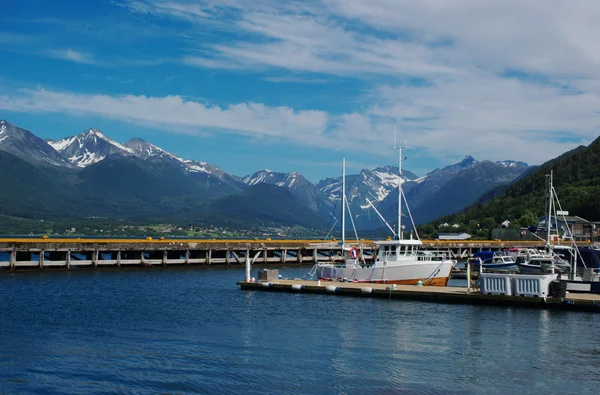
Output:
(194, 331)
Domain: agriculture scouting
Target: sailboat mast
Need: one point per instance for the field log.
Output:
(343, 203)
(399, 147)
(550, 201)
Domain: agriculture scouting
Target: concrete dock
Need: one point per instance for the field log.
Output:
(450, 295)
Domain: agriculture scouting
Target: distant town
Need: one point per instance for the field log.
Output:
(179, 230)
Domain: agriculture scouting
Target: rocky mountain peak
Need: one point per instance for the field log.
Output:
(26, 145)
(468, 161)
(88, 147)
(145, 149)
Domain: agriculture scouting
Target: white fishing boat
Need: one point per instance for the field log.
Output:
(399, 260)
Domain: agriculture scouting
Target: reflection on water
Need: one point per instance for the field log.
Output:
(189, 331)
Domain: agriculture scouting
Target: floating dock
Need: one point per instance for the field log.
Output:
(450, 295)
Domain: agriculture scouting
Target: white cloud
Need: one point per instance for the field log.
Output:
(499, 79)
(296, 80)
(553, 37)
(174, 113)
(491, 117)
(182, 10)
(391, 37)
(73, 56)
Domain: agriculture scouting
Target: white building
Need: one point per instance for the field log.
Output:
(454, 236)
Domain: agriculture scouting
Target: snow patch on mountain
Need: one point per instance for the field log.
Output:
(386, 178)
(60, 145)
(3, 134)
(197, 167)
(86, 159)
(267, 176)
(512, 164)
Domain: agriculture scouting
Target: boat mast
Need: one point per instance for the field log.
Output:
(550, 201)
(343, 202)
(399, 148)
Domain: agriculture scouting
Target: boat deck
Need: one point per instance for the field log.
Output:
(455, 295)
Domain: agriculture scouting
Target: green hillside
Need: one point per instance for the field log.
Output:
(577, 183)
(132, 190)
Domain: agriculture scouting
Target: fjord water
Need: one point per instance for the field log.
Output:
(195, 331)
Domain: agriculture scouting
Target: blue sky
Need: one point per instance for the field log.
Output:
(296, 86)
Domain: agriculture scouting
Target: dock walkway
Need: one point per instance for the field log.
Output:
(453, 295)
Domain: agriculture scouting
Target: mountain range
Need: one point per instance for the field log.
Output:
(91, 175)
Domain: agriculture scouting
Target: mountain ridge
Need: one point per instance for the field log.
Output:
(139, 179)
(576, 182)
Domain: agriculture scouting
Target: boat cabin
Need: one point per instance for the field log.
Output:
(392, 250)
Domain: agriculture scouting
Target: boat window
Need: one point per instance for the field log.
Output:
(393, 248)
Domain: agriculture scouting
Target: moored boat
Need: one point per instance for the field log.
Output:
(543, 263)
(399, 260)
(493, 261)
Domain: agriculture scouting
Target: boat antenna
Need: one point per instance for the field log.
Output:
(343, 202)
(400, 159)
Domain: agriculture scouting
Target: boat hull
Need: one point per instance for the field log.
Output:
(524, 268)
(428, 273)
(577, 286)
(529, 269)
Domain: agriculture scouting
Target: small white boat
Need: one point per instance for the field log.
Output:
(544, 264)
(498, 261)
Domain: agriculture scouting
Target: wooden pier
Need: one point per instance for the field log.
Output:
(54, 253)
(450, 295)
(73, 253)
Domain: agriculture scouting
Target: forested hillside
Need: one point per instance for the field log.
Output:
(577, 183)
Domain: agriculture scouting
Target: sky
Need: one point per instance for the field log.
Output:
(299, 85)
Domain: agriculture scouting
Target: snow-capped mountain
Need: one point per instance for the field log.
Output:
(374, 184)
(145, 150)
(267, 176)
(88, 147)
(26, 145)
(444, 191)
(148, 151)
(466, 163)
(92, 146)
(303, 190)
